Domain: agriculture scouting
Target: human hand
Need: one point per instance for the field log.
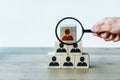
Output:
(108, 29)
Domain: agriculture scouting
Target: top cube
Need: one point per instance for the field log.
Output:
(68, 34)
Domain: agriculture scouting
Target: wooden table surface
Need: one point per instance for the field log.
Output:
(31, 64)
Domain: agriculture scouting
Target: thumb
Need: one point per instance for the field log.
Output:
(100, 27)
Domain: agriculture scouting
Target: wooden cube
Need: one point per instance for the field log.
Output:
(68, 33)
(82, 61)
(60, 48)
(75, 49)
(53, 60)
(67, 61)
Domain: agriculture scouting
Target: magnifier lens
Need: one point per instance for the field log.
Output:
(69, 31)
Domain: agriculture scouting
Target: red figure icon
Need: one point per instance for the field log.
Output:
(67, 37)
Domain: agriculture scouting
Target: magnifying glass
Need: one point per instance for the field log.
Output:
(72, 29)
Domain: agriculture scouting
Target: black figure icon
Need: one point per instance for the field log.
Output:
(68, 63)
(54, 63)
(82, 63)
(75, 48)
(61, 49)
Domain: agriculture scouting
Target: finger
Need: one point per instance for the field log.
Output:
(104, 35)
(101, 26)
(111, 37)
(95, 27)
(101, 22)
(96, 34)
(117, 38)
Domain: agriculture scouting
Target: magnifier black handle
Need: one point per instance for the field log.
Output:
(88, 31)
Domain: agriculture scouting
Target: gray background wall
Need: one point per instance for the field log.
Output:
(31, 23)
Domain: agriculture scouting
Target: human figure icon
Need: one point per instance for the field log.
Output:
(54, 63)
(82, 63)
(67, 37)
(68, 63)
(75, 48)
(61, 49)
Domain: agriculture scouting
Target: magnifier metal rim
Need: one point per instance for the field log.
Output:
(65, 19)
